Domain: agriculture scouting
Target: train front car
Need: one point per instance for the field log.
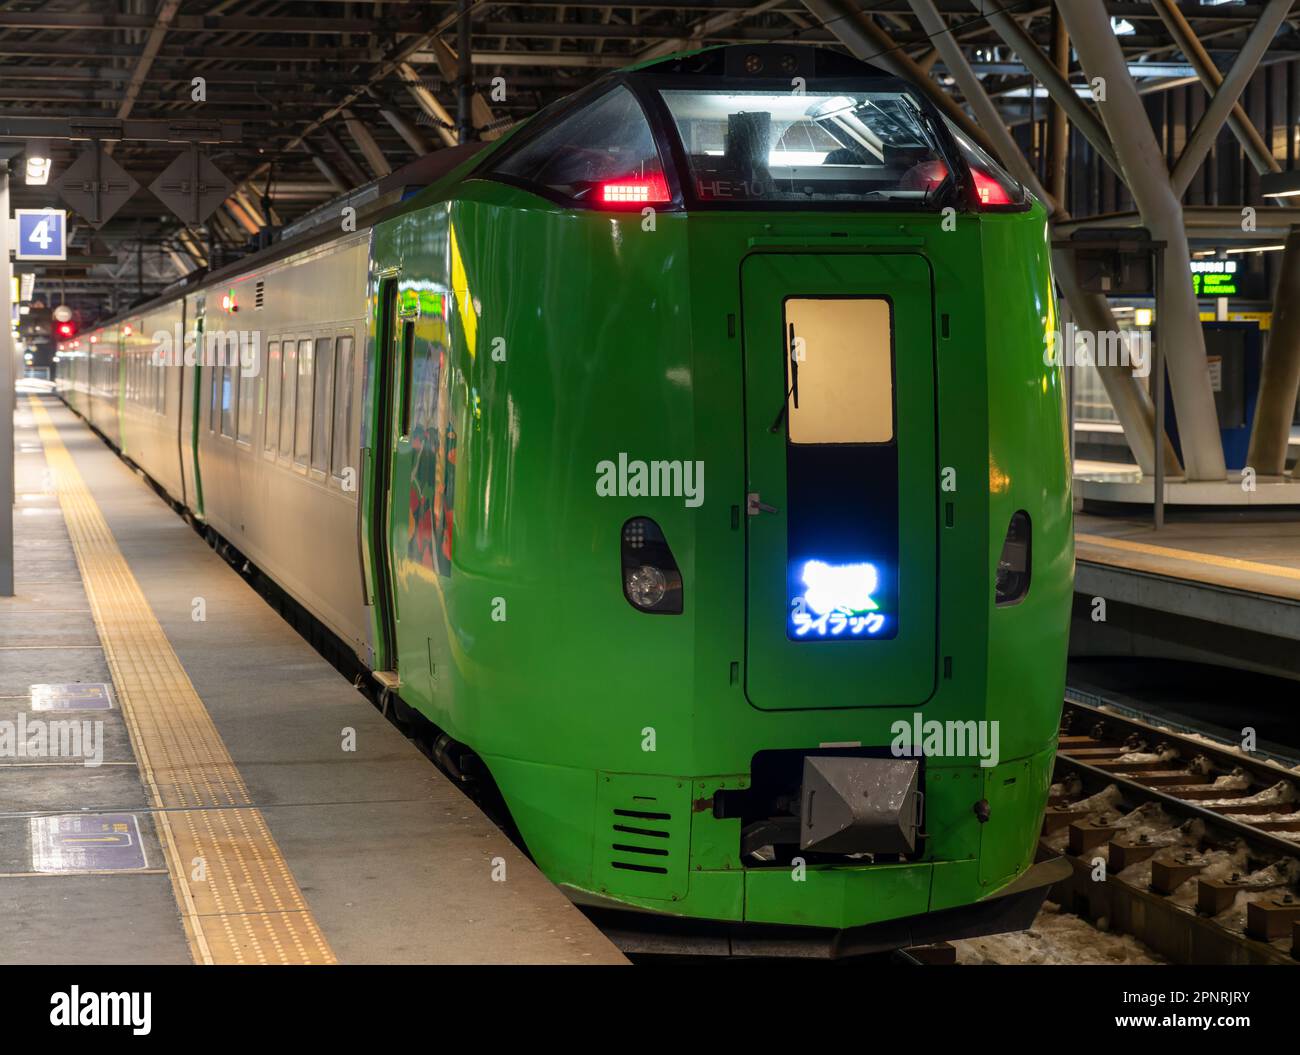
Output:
(731, 521)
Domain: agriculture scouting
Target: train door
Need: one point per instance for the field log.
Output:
(393, 340)
(841, 524)
(187, 436)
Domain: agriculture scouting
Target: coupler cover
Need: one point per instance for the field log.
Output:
(859, 805)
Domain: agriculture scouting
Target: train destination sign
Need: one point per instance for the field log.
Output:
(1214, 278)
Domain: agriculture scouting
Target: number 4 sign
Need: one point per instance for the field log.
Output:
(41, 234)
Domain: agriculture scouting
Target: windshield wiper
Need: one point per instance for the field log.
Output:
(794, 386)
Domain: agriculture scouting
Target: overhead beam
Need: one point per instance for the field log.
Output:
(157, 32)
(1058, 128)
(872, 44)
(1212, 120)
(366, 144)
(455, 72)
(352, 172)
(444, 125)
(324, 166)
(390, 66)
(1058, 87)
(106, 129)
(1208, 73)
(707, 27)
(415, 139)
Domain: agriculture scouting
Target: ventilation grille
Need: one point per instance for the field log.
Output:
(641, 840)
(642, 847)
(258, 296)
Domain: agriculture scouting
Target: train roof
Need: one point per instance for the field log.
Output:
(749, 65)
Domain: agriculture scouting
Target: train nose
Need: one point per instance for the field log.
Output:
(860, 805)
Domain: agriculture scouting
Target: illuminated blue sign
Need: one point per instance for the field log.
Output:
(836, 600)
(41, 234)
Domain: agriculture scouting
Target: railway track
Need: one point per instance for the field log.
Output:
(1187, 843)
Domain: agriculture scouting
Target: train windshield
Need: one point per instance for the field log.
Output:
(602, 154)
(766, 146)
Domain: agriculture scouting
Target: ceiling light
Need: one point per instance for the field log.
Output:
(38, 162)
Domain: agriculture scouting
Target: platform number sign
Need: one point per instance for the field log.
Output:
(41, 234)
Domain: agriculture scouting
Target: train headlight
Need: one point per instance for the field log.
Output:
(651, 580)
(1015, 564)
(645, 586)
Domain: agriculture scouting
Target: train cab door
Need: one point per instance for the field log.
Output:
(389, 429)
(842, 504)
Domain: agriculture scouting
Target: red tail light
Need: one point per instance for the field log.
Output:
(639, 190)
(990, 191)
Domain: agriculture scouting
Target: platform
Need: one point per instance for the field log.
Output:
(248, 805)
(1223, 585)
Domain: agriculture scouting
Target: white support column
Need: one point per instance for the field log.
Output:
(1280, 380)
(1148, 180)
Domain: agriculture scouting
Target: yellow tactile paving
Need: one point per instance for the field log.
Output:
(1094, 547)
(239, 901)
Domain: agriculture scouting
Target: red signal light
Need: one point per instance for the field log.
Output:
(66, 329)
(635, 190)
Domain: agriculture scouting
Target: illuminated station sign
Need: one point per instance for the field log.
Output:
(1214, 278)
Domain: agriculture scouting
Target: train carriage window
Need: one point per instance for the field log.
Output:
(288, 390)
(249, 374)
(813, 146)
(343, 424)
(603, 153)
(302, 428)
(229, 393)
(272, 437)
(408, 379)
(324, 399)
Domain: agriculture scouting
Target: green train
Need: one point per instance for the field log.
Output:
(690, 457)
